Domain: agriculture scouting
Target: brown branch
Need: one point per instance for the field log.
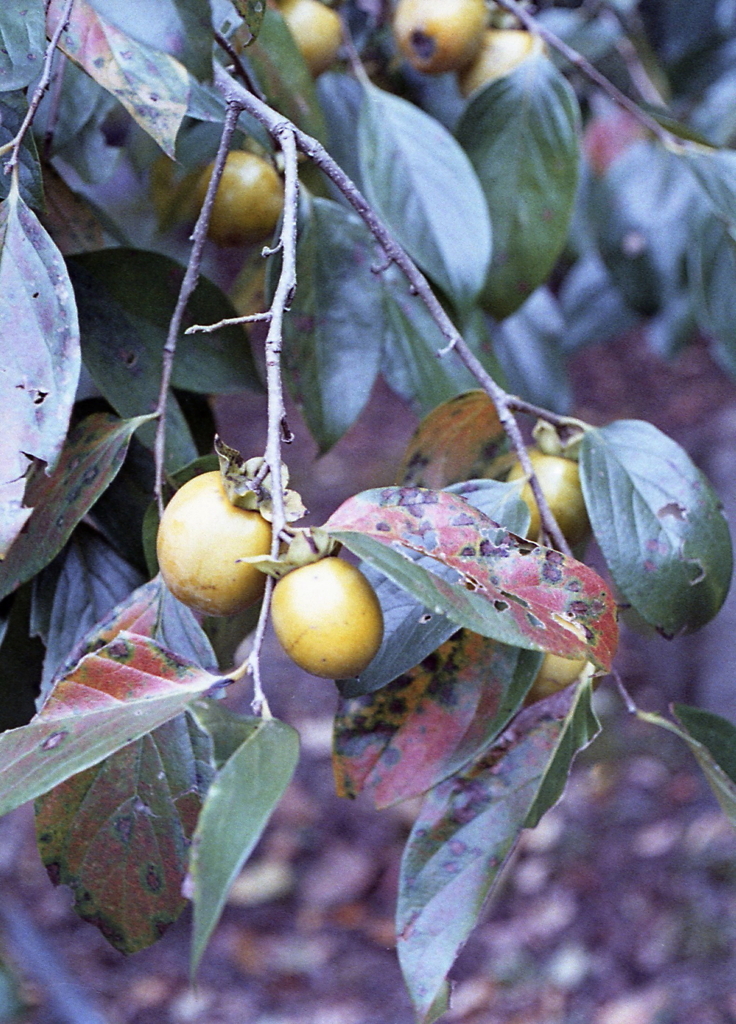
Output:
(188, 284)
(13, 147)
(275, 124)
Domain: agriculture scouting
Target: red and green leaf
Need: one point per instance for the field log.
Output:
(151, 85)
(467, 828)
(118, 833)
(91, 458)
(457, 441)
(429, 723)
(113, 697)
(509, 589)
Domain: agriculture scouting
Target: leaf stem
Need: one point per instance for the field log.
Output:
(13, 146)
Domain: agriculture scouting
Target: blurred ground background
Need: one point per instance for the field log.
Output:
(620, 908)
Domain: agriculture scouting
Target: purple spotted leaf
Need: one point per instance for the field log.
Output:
(507, 588)
(151, 85)
(118, 833)
(466, 830)
(90, 460)
(430, 722)
(39, 356)
(113, 696)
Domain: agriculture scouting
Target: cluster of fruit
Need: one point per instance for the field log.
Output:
(325, 613)
(437, 36)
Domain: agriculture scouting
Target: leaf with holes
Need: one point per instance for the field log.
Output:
(92, 456)
(428, 724)
(113, 697)
(463, 836)
(509, 589)
(457, 441)
(152, 86)
(40, 359)
(659, 524)
(118, 833)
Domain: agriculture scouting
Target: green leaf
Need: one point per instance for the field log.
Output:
(711, 741)
(118, 833)
(659, 525)
(89, 582)
(145, 287)
(92, 456)
(529, 347)
(423, 185)
(509, 589)
(128, 374)
(332, 341)
(152, 86)
(13, 108)
(240, 800)
(715, 172)
(593, 308)
(465, 831)
(641, 213)
(284, 76)
(521, 134)
(412, 340)
(22, 42)
(412, 631)
(252, 13)
(431, 722)
(39, 354)
(340, 96)
(711, 269)
(114, 696)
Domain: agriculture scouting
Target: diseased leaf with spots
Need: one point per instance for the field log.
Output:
(256, 759)
(509, 589)
(412, 631)
(659, 525)
(22, 42)
(457, 441)
(113, 697)
(464, 834)
(118, 833)
(40, 360)
(429, 723)
(92, 456)
(151, 85)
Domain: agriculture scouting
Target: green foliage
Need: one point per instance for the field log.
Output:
(544, 222)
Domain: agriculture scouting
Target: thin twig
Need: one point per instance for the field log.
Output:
(283, 134)
(240, 68)
(625, 695)
(529, 22)
(13, 147)
(276, 123)
(231, 321)
(188, 284)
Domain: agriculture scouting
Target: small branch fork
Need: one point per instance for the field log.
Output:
(274, 124)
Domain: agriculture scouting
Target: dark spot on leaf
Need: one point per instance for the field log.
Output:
(53, 870)
(91, 474)
(500, 606)
(468, 552)
(383, 527)
(53, 741)
(534, 621)
(470, 582)
(391, 757)
(424, 619)
(649, 565)
(35, 295)
(124, 827)
(154, 882)
(462, 519)
(579, 608)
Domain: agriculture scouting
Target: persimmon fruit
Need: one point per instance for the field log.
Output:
(248, 201)
(439, 35)
(501, 51)
(327, 618)
(316, 30)
(200, 539)
(559, 479)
